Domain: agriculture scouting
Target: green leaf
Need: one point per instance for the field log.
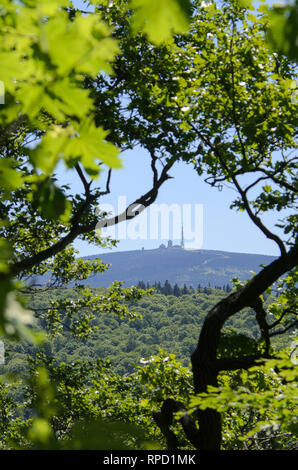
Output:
(50, 200)
(104, 435)
(10, 178)
(89, 145)
(87, 38)
(40, 431)
(84, 142)
(160, 18)
(5, 253)
(282, 34)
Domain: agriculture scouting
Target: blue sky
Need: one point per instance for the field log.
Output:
(222, 228)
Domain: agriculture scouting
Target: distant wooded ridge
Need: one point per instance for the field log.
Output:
(178, 266)
(168, 289)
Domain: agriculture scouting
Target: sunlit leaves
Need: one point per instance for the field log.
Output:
(4, 255)
(40, 433)
(10, 178)
(160, 18)
(89, 41)
(79, 312)
(283, 26)
(105, 434)
(78, 142)
(44, 56)
(89, 144)
(105, 407)
(263, 397)
(284, 309)
(51, 200)
(163, 377)
(17, 320)
(234, 344)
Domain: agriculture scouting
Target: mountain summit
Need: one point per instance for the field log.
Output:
(177, 265)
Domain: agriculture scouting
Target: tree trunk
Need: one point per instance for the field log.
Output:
(205, 364)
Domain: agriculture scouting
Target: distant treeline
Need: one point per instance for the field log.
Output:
(168, 289)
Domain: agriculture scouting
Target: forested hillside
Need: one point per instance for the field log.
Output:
(84, 87)
(167, 321)
(122, 366)
(176, 265)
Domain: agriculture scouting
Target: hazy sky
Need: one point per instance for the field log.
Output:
(219, 227)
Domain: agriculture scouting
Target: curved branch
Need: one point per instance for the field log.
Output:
(205, 364)
(107, 190)
(164, 419)
(235, 363)
(256, 220)
(278, 321)
(281, 332)
(76, 229)
(257, 305)
(141, 203)
(86, 184)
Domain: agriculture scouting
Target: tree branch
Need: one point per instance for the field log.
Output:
(256, 220)
(278, 321)
(107, 190)
(83, 179)
(164, 419)
(235, 363)
(281, 332)
(257, 305)
(129, 213)
(141, 203)
(205, 364)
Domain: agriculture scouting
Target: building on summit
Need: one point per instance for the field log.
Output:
(170, 243)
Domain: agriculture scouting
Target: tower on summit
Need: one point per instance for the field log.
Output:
(182, 237)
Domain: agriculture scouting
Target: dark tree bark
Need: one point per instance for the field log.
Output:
(164, 419)
(205, 364)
